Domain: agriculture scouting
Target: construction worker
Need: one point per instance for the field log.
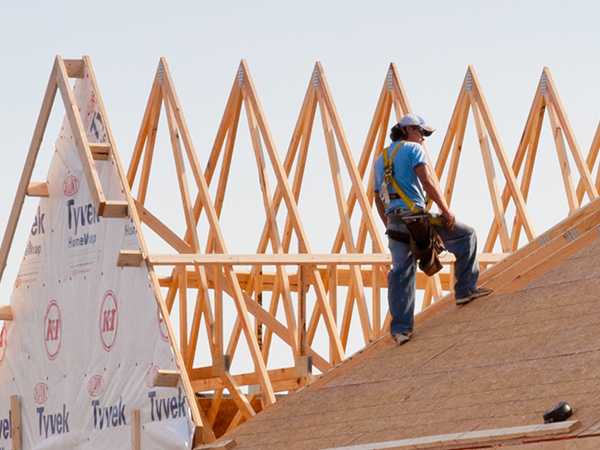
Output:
(401, 175)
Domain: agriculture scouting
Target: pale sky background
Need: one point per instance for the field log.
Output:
(431, 42)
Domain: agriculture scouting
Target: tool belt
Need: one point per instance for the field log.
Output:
(423, 239)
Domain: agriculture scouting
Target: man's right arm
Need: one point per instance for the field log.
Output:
(435, 193)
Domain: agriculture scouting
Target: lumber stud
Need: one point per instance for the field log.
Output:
(167, 378)
(130, 258)
(6, 312)
(100, 151)
(15, 425)
(38, 189)
(74, 67)
(136, 430)
(113, 208)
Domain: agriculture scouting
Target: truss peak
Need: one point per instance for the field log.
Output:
(546, 100)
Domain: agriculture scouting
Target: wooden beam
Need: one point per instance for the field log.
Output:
(183, 316)
(301, 308)
(240, 399)
(156, 225)
(100, 151)
(136, 430)
(591, 162)
(269, 279)
(74, 67)
(113, 208)
(130, 258)
(245, 379)
(269, 259)
(215, 404)
(167, 378)
(38, 189)
(15, 424)
(151, 113)
(557, 134)
(6, 312)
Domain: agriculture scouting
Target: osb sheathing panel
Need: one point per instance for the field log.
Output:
(497, 362)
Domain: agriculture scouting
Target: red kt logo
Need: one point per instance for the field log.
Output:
(109, 320)
(70, 186)
(52, 329)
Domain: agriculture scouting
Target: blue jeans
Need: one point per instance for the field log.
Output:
(461, 241)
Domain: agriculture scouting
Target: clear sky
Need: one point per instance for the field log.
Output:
(431, 42)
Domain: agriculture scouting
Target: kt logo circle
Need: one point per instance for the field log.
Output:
(52, 329)
(109, 320)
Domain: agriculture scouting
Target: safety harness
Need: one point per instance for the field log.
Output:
(424, 241)
(389, 179)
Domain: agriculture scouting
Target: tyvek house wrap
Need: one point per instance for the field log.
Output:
(86, 335)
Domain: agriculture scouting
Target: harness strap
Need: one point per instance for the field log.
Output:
(388, 176)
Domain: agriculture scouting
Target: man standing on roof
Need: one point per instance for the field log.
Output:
(401, 175)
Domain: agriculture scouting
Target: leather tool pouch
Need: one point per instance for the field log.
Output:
(425, 243)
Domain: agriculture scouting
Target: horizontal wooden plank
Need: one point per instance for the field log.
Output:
(167, 378)
(113, 208)
(293, 259)
(38, 189)
(100, 151)
(74, 67)
(269, 260)
(267, 280)
(6, 312)
(204, 372)
(470, 437)
(130, 258)
(288, 374)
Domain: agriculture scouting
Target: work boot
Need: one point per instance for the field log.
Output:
(478, 292)
(401, 338)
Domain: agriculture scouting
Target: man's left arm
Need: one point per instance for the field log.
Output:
(380, 209)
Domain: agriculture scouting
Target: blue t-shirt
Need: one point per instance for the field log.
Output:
(408, 157)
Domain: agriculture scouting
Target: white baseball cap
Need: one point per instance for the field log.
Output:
(416, 121)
